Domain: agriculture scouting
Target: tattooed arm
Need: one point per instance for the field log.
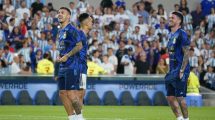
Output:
(76, 49)
(185, 59)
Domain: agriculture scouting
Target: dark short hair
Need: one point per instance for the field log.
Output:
(179, 15)
(67, 9)
(83, 17)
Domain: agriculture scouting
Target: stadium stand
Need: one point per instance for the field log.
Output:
(92, 98)
(41, 98)
(110, 99)
(126, 98)
(39, 31)
(7, 98)
(24, 98)
(159, 99)
(142, 99)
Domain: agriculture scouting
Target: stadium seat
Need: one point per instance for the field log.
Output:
(126, 98)
(24, 98)
(7, 98)
(92, 98)
(143, 99)
(41, 98)
(159, 99)
(56, 99)
(109, 98)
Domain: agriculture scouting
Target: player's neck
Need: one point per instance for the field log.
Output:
(63, 25)
(174, 29)
(85, 30)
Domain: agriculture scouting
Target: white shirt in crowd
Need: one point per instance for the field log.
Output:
(107, 18)
(128, 69)
(210, 62)
(108, 67)
(15, 68)
(20, 11)
(113, 60)
(193, 60)
(54, 54)
(96, 60)
(26, 53)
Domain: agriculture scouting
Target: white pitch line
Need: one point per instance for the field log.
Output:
(34, 117)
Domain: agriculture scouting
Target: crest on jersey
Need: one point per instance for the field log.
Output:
(62, 45)
(64, 35)
(174, 40)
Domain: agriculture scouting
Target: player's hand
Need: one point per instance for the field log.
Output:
(63, 59)
(181, 75)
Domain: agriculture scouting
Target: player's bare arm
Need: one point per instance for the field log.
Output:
(76, 49)
(185, 61)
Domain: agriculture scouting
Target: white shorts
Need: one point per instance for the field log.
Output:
(83, 81)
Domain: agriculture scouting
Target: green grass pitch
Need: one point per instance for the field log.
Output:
(102, 113)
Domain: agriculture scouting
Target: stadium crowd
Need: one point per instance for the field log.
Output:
(122, 41)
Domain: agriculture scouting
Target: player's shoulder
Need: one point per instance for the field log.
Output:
(183, 32)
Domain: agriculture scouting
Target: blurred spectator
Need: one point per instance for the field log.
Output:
(183, 5)
(121, 16)
(143, 12)
(50, 7)
(155, 49)
(187, 20)
(162, 67)
(197, 16)
(211, 60)
(7, 56)
(206, 51)
(142, 26)
(193, 83)
(210, 38)
(197, 38)
(3, 67)
(82, 5)
(8, 7)
(95, 57)
(25, 51)
(15, 69)
(211, 19)
(25, 66)
(3, 16)
(193, 60)
(141, 65)
(108, 16)
(106, 4)
(112, 59)
(16, 38)
(134, 15)
(36, 6)
(42, 41)
(128, 62)
(209, 77)
(161, 12)
(153, 18)
(45, 66)
(23, 9)
(119, 54)
(162, 31)
(23, 28)
(107, 66)
(73, 12)
(54, 52)
(34, 32)
(94, 68)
